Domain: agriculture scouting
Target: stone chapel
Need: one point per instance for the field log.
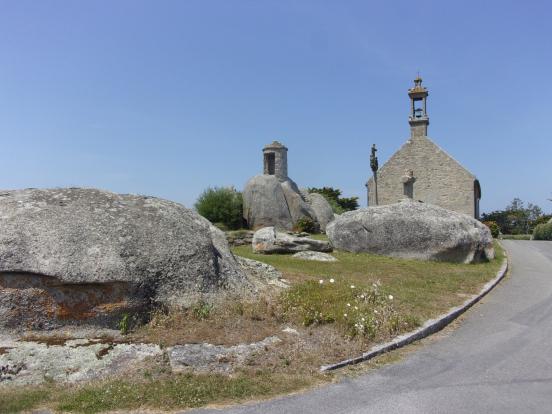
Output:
(422, 171)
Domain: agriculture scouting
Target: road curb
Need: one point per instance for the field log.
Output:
(429, 327)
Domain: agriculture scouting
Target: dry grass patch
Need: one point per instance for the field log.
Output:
(229, 323)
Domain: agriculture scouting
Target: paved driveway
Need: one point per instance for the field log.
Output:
(498, 361)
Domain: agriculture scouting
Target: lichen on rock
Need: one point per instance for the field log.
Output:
(75, 255)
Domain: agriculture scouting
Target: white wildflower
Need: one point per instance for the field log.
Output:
(390, 297)
(352, 286)
(332, 281)
(375, 311)
(321, 281)
(356, 307)
(348, 304)
(362, 319)
(345, 314)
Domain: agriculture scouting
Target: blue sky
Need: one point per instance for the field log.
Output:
(168, 97)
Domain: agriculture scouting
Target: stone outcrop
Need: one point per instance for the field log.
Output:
(315, 256)
(273, 199)
(265, 204)
(267, 201)
(206, 358)
(262, 273)
(322, 210)
(239, 237)
(75, 360)
(86, 255)
(267, 240)
(412, 230)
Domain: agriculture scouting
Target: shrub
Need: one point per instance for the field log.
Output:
(202, 310)
(495, 229)
(124, 324)
(305, 224)
(543, 232)
(223, 206)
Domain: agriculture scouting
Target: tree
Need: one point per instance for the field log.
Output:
(221, 206)
(516, 218)
(339, 204)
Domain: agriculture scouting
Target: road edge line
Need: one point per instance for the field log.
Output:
(429, 327)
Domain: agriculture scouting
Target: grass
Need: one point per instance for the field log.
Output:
(178, 391)
(515, 236)
(24, 399)
(371, 299)
(319, 237)
(421, 289)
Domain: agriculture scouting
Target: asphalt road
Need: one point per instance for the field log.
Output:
(499, 360)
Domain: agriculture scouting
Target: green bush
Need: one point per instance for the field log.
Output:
(305, 224)
(223, 206)
(493, 226)
(543, 232)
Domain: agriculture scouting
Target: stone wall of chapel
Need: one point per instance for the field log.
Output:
(439, 179)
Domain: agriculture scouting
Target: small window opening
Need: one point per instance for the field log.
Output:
(408, 189)
(270, 163)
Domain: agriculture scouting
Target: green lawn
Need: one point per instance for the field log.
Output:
(421, 289)
(166, 393)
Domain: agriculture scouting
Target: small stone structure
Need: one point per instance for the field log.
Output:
(273, 199)
(275, 160)
(422, 171)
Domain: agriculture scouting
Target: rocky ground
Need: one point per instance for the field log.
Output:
(68, 355)
(73, 354)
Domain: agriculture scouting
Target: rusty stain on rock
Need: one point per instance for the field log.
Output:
(36, 301)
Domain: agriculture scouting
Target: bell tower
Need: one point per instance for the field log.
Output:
(418, 118)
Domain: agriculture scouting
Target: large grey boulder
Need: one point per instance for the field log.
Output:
(267, 240)
(264, 203)
(89, 255)
(269, 201)
(412, 230)
(321, 208)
